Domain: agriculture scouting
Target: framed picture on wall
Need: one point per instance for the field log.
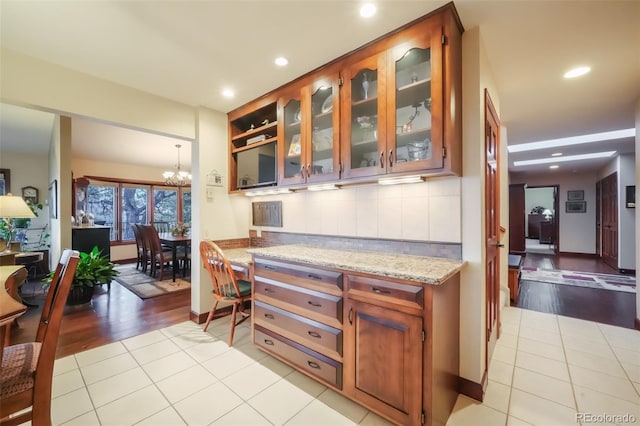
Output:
(575, 207)
(5, 181)
(576, 195)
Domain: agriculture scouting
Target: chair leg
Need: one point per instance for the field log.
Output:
(233, 323)
(210, 317)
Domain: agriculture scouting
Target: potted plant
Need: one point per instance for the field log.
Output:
(93, 269)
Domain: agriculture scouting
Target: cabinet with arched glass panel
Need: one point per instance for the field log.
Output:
(309, 125)
(393, 107)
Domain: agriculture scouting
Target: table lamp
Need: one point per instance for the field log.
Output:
(547, 214)
(13, 207)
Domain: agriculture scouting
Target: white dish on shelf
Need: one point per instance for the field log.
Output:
(327, 105)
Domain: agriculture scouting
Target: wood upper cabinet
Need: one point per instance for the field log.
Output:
(392, 107)
(384, 371)
(309, 149)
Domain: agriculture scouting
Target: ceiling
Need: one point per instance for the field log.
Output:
(210, 45)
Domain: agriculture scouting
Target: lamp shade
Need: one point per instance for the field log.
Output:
(13, 206)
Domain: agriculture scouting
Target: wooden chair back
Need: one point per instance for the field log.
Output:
(12, 284)
(39, 354)
(223, 279)
(140, 247)
(162, 226)
(156, 253)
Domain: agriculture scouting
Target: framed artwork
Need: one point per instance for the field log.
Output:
(577, 195)
(5, 181)
(575, 207)
(53, 199)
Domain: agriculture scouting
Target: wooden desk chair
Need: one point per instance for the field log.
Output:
(27, 368)
(226, 287)
(11, 285)
(158, 256)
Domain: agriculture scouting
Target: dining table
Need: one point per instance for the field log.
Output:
(175, 241)
(10, 308)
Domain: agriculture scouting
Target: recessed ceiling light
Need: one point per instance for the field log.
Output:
(368, 10)
(563, 159)
(555, 166)
(228, 93)
(573, 140)
(577, 72)
(556, 154)
(281, 61)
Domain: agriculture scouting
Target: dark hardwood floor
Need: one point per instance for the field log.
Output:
(604, 306)
(111, 316)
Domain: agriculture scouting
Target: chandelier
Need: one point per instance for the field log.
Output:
(177, 177)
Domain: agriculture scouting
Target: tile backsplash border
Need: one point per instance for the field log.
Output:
(411, 247)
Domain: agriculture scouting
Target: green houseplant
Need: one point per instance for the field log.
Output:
(93, 269)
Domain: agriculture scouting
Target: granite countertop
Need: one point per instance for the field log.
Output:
(427, 270)
(239, 256)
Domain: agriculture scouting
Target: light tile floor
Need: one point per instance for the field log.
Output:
(545, 369)
(552, 370)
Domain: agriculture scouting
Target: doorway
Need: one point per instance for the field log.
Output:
(541, 219)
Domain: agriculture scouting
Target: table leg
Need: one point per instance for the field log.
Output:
(174, 250)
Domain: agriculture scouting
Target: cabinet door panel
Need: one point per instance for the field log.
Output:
(414, 113)
(323, 153)
(291, 153)
(387, 360)
(363, 117)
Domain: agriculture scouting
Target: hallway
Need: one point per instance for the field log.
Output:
(603, 306)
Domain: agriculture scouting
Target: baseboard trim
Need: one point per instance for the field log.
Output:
(627, 271)
(472, 389)
(637, 323)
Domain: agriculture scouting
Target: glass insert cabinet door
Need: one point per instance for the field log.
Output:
(416, 124)
(292, 155)
(363, 138)
(322, 157)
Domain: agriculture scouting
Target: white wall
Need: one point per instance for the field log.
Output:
(29, 170)
(637, 233)
(31, 82)
(626, 217)
(577, 230)
(476, 76)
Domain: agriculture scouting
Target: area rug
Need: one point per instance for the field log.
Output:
(146, 287)
(580, 279)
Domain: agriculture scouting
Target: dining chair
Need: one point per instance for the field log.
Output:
(12, 284)
(226, 287)
(27, 368)
(162, 226)
(158, 256)
(140, 248)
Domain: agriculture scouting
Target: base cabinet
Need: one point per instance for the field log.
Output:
(384, 368)
(390, 345)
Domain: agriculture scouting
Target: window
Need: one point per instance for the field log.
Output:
(119, 205)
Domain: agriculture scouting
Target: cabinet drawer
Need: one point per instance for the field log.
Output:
(304, 358)
(319, 303)
(387, 291)
(322, 277)
(311, 332)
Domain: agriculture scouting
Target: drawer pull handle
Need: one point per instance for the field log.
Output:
(314, 334)
(314, 277)
(268, 342)
(377, 290)
(314, 304)
(313, 365)
(270, 316)
(349, 315)
(271, 268)
(269, 290)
